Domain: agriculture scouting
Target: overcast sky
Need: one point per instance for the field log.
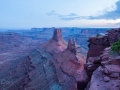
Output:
(59, 13)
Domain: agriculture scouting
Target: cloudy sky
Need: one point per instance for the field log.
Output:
(59, 13)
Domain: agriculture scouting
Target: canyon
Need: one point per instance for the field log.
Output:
(72, 59)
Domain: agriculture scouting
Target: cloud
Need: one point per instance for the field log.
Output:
(115, 14)
(52, 13)
(108, 14)
(72, 14)
(68, 17)
(118, 23)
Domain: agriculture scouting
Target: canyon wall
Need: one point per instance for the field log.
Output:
(103, 64)
(97, 44)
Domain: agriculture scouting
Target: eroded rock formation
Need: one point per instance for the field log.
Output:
(113, 35)
(72, 46)
(106, 75)
(97, 44)
(53, 66)
(56, 44)
(61, 70)
(57, 35)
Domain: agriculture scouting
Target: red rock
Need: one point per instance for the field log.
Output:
(61, 70)
(92, 64)
(72, 46)
(57, 35)
(107, 74)
(56, 44)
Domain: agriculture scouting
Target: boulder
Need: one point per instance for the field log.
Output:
(106, 79)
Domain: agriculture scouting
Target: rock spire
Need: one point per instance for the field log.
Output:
(57, 35)
(72, 46)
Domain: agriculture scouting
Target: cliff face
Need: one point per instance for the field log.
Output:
(113, 35)
(102, 65)
(107, 75)
(97, 44)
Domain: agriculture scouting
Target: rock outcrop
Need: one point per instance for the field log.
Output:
(72, 46)
(113, 35)
(106, 75)
(92, 64)
(96, 46)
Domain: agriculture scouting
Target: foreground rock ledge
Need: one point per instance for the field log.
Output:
(107, 75)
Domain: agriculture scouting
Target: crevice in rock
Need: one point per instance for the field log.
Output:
(97, 63)
(28, 79)
(81, 85)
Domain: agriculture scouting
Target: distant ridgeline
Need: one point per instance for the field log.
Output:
(80, 34)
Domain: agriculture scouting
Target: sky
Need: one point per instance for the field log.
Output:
(59, 13)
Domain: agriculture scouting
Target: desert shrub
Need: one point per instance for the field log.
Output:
(116, 47)
(98, 35)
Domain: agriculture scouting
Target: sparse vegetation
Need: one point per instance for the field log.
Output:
(98, 35)
(116, 47)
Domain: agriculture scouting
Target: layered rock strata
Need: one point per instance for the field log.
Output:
(96, 46)
(105, 76)
(53, 66)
